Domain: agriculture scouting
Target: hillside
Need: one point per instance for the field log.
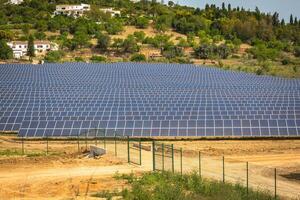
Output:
(226, 37)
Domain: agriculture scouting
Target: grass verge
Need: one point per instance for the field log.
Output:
(166, 185)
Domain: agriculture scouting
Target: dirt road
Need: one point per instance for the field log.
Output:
(69, 175)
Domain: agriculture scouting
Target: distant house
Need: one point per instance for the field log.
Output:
(19, 48)
(111, 11)
(41, 47)
(72, 10)
(15, 1)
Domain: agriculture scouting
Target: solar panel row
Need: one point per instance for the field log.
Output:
(145, 100)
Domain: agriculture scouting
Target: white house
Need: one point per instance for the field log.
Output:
(111, 11)
(19, 48)
(15, 1)
(41, 47)
(72, 10)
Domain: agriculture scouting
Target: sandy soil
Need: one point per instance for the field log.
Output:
(69, 175)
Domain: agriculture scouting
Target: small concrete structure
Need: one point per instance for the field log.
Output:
(96, 151)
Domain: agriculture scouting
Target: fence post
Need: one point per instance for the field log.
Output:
(78, 146)
(47, 145)
(104, 140)
(86, 141)
(275, 184)
(163, 156)
(153, 154)
(247, 177)
(96, 134)
(172, 146)
(140, 148)
(200, 163)
(181, 161)
(223, 169)
(128, 153)
(116, 146)
(22, 145)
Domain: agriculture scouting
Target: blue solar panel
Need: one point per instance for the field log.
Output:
(145, 100)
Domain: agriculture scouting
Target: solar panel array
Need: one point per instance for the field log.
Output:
(145, 100)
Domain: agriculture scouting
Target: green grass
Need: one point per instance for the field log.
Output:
(168, 186)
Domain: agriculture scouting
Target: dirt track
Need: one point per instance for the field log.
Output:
(72, 176)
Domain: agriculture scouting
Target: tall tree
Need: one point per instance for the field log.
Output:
(223, 6)
(229, 7)
(30, 49)
(103, 42)
(291, 19)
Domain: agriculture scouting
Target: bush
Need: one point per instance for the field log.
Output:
(138, 58)
(113, 26)
(297, 51)
(98, 59)
(262, 53)
(103, 42)
(139, 35)
(285, 61)
(79, 59)
(54, 56)
(142, 22)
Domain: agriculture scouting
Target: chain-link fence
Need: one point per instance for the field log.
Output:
(162, 156)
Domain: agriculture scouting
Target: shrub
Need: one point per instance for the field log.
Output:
(297, 51)
(79, 59)
(262, 53)
(142, 22)
(54, 56)
(138, 58)
(285, 61)
(98, 59)
(103, 42)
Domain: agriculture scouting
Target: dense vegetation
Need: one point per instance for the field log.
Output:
(211, 33)
(187, 187)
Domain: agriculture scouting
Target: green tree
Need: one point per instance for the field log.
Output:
(142, 22)
(223, 51)
(103, 42)
(113, 26)
(117, 43)
(54, 56)
(30, 46)
(204, 51)
(139, 35)
(130, 45)
(5, 51)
